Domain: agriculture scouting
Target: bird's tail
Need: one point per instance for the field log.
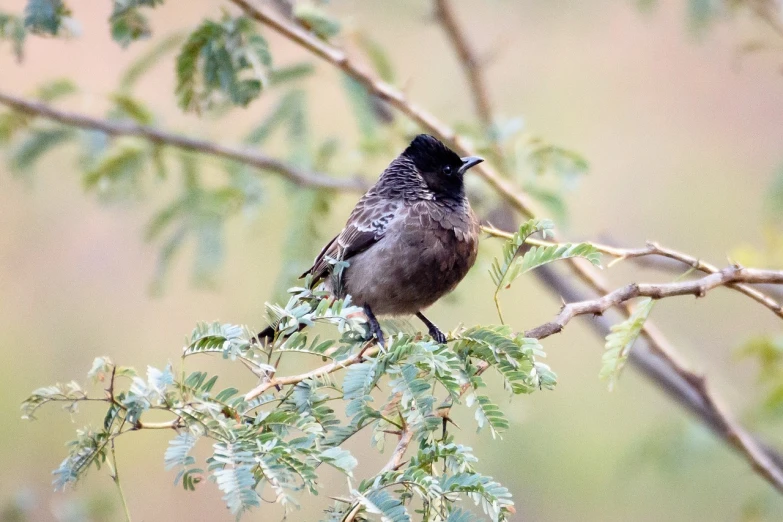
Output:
(267, 335)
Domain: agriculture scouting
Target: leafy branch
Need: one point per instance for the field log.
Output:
(513, 262)
(278, 440)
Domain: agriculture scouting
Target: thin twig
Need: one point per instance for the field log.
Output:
(167, 425)
(115, 475)
(393, 464)
(471, 64)
(161, 137)
(313, 374)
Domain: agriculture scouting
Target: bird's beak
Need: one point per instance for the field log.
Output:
(468, 162)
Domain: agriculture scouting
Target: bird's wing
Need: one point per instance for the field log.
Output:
(366, 225)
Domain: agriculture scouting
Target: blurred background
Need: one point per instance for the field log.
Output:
(679, 117)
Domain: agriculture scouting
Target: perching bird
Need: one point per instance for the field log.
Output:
(410, 239)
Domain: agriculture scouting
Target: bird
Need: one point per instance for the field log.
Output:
(409, 240)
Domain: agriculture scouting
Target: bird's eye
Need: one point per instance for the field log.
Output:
(447, 170)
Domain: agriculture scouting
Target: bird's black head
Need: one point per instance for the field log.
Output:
(441, 167)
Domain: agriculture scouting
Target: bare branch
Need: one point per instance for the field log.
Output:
(471, 64)
(698, 287)
(161, 137)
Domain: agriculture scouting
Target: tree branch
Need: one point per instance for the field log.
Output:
(267, 16)
(471, 64)
(763, 460)
(698, 287)
(161, 137)
(768, 12)
(647, 360)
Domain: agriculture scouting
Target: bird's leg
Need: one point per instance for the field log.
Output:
(433, 330)
(375, 327)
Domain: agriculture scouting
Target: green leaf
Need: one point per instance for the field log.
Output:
(38, 143)
(45, 16)
(290, 73)
(288, 105)
(128, 27)
(101, 366)
(514, 356)
(561, 161)
(56, 89)
(298, 342)
(416, 400)
(488, 414)
(236, 479)
(620, 341)
(340, 459)
(178, 452)
(228, 339)
(541, 255)
(227, 59)
(500, 267)
(68, 393)
(127, 23)
(378, 57)
(509, 267)
(363, 109)
(89, 448)
(129, 107)
(380, 502)
(117, 174)
(552, 200)
(460, 515)
(316, 20)
(148, 60)
(12, 29)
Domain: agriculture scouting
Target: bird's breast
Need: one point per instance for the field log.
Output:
(424, 254)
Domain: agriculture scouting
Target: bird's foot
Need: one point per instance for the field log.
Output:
(381, 340)
(436, 334)
(433, 330)
(375, 327)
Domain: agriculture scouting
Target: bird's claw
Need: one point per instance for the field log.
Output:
(439, 336)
